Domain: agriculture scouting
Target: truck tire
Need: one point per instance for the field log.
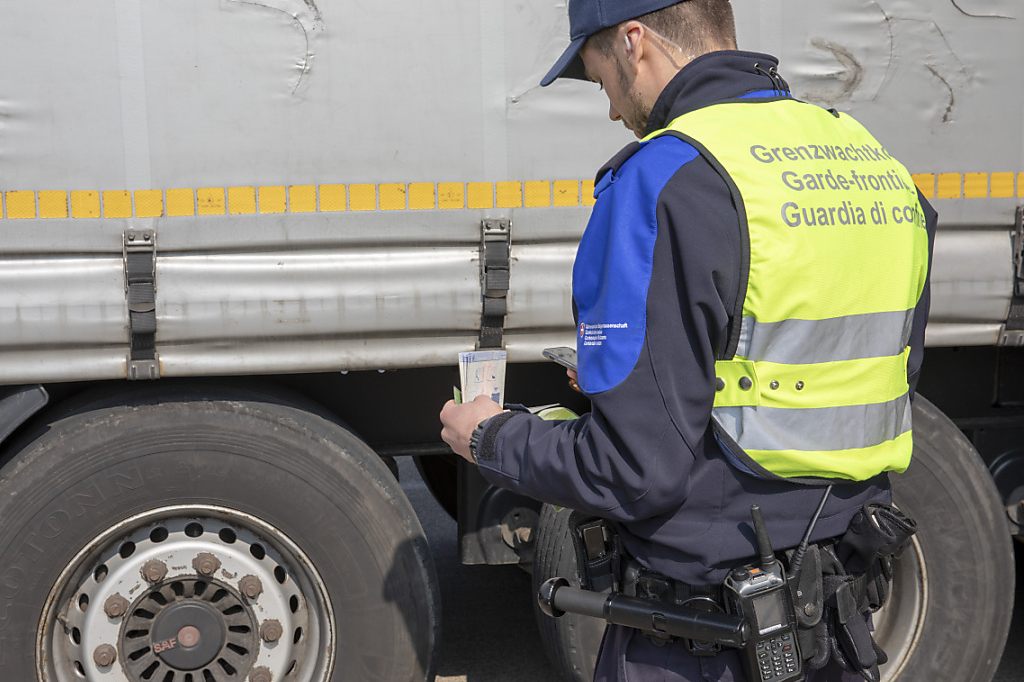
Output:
(204, 537)
(571, 642)
(952, 597)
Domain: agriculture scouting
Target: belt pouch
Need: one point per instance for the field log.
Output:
(876, 531)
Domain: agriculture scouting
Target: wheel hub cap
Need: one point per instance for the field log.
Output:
(185, 630)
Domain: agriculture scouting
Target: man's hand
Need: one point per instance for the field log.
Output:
(573, 380)
(459, 422)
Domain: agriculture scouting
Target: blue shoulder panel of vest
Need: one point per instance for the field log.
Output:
(615, 260)
(766, 94)
(616, 162)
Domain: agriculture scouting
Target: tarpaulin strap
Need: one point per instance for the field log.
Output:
(495, 277)
(140, 294)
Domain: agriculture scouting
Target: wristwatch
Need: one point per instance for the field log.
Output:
(475, 437)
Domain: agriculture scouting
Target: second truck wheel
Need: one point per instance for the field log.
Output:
(952, 597)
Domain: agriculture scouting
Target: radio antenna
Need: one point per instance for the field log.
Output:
(798, 555)
(764, 543)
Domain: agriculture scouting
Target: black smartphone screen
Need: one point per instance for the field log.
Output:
(563, 355)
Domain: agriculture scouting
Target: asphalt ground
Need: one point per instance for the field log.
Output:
(488, 630)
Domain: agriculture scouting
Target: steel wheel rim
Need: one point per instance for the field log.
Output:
(76, 618)
(898, 625)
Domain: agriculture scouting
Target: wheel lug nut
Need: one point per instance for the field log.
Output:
(154, 571)
(206, 564)
(105, 655)
(115, 606)
(250, 586)
(261, 674)
(271, 630)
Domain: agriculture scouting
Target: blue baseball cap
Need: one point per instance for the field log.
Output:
(587, 17)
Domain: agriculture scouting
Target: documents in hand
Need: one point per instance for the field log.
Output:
(482, 373)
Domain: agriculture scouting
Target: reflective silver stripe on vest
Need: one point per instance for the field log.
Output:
(799, 342)
(816, 429)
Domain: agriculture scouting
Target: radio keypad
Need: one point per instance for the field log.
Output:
(776, 659)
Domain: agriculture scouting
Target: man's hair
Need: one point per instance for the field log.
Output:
(696, 26)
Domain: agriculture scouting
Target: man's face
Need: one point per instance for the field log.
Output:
(614, 73)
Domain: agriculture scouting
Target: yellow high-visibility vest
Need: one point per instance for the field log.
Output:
(814, 383)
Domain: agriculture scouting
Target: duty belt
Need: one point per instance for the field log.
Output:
(649, 585)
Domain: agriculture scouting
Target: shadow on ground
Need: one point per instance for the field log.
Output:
(488, 633)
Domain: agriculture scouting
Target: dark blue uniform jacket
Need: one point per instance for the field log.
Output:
(655, 281)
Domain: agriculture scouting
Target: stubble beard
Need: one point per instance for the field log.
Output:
(638, 116)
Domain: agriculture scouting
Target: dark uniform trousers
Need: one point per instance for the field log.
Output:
(628, 656)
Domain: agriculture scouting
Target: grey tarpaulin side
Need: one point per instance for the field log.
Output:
(131, 95)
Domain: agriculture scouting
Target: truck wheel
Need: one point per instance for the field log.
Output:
(206, 539)
(571, 642)
(952, 598)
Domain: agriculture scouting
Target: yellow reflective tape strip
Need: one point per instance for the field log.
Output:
(149, 203)
(587, 193)
(332, 198)
(950, 185)
(926, 183)
(117, 204)
(509, 194)
(451, 195)
(53, 204)
(976, 185)
(210, 200)
(85, 204)
(181, 202)
(302, 199)
(1002, 185)
(567, 192)
(272, 199)
(241, 200)
(421, 196)
(362, 197)
(394, 196)
(538, 194)
(21, 204)
(481, 195)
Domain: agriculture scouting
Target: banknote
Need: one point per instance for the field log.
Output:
(482, 372)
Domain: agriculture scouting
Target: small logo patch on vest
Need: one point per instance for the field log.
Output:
(597, 334)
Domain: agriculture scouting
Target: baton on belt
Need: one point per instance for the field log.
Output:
(557, 598)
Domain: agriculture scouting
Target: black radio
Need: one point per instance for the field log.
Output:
(759, 595)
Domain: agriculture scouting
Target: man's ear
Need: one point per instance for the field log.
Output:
(633, 34)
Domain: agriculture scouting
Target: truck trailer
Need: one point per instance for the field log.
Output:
(242, 243)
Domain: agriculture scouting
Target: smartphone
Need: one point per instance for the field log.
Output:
(563, 355)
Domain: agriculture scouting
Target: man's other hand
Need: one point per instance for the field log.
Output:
(573, 380)
(459, 422)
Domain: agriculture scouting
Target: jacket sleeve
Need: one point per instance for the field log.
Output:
(650, 315)
(916, 359)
